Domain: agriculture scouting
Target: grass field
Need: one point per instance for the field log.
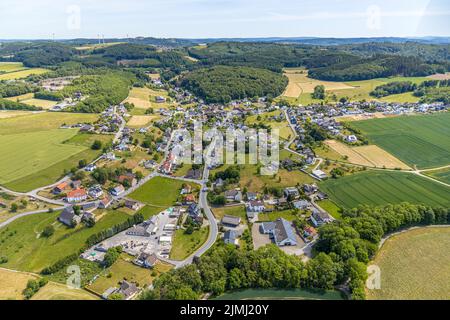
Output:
(6, 114)
(38, 153)
(289, 215)
(183, 245)
(11, 66)
(29, 99)
(370, 156)
(26, 250)
(20, 74)
(381, 188)
(330, 207)
(12, 284)
(162, 192)
(416, 140)
(26, 153)
(414, 265)
(144, 98)
(141, 121)
(236, 211)
(58, 291)
(281, 294)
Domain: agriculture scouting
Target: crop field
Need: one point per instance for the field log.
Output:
(381, 188)
(420, 141)
(58, 291)
(299, 83)
(141, 121)
(162, 192)
(20, 74)
(11, 66)
(442, 175)
(26, 250)
(5, 114)
(414, 265)
(370, 156)
(26, 153)
(12, 283)
(144, 98)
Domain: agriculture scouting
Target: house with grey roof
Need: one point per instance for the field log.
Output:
(230, 237)
(231, 221)
(69, 218)
(280, 231)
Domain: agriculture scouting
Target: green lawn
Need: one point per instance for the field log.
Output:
(330, 207)
(416, 140)
(381, 188)
(21, 243)
(20, 74)
(159, 191)
(183, 245)
(237, 211)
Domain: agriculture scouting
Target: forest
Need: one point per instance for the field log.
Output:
(222, 84)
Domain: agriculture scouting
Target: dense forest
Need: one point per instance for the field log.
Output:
(223, 84)
(393, 88)
(13, 89)
(13, 105)
(343, 251)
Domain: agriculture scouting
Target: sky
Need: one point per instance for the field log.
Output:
(63, 19)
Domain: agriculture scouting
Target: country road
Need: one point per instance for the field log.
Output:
(24, 214)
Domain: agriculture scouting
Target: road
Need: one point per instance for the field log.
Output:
(24, 214)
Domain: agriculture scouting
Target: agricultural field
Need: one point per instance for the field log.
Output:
(38, 152)
(442, 175)
(381, 188)
(299, 83)
(6, 114)
(29, 99)
(58, 291)
(353, 90)
(144, 98)
(369, 156)
(11, 67)
(183, 244)
(21, 241)
(26, 153)
(159, 192)
(138, 121)
(414, 265)
(13, 283)
(20, 74)
(420, 141)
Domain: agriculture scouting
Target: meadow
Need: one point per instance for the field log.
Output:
(183, 244)
(20, 74)
(39, 152)
(382, 187)
(285, 130)
(420, 141)
(159, 191)
(11, 66)
(414, 265)
(144, 98)
(26, 250)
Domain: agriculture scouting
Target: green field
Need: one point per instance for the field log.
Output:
(281, 294)
(21, 243)
(22, 73)
(330, 207)
(184, 244)
(414, 265)
(422, 141)
(25, 153)
(442, 175)
(37, 153)
(11, 66)
(159, 191)
(381, 188)
(289, 215)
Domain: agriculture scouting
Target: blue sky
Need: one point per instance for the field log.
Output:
(27, 19)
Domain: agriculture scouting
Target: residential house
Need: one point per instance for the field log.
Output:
(280, 231)
(117, 191)
(231, 221)
(291, 192)
(60, 188)
(252, 196)
(233, 196)
(69, 218)
(128, 290)
(230, 237)
(351, 139)
(146, 260)
(138, 231)
(319, 174)
(194, 174)
(76, 195)
(133, 205)
(105, 202)
(255, 206)
(301, 204)
(76, 184)
(319, 218)
(189, 199)
(95, 192)
(195, 213)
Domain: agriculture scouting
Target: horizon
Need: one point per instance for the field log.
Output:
(205, 19)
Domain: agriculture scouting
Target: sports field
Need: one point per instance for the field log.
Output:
(382, 187)
(421, 141)
(370, 156)
(414, 265)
